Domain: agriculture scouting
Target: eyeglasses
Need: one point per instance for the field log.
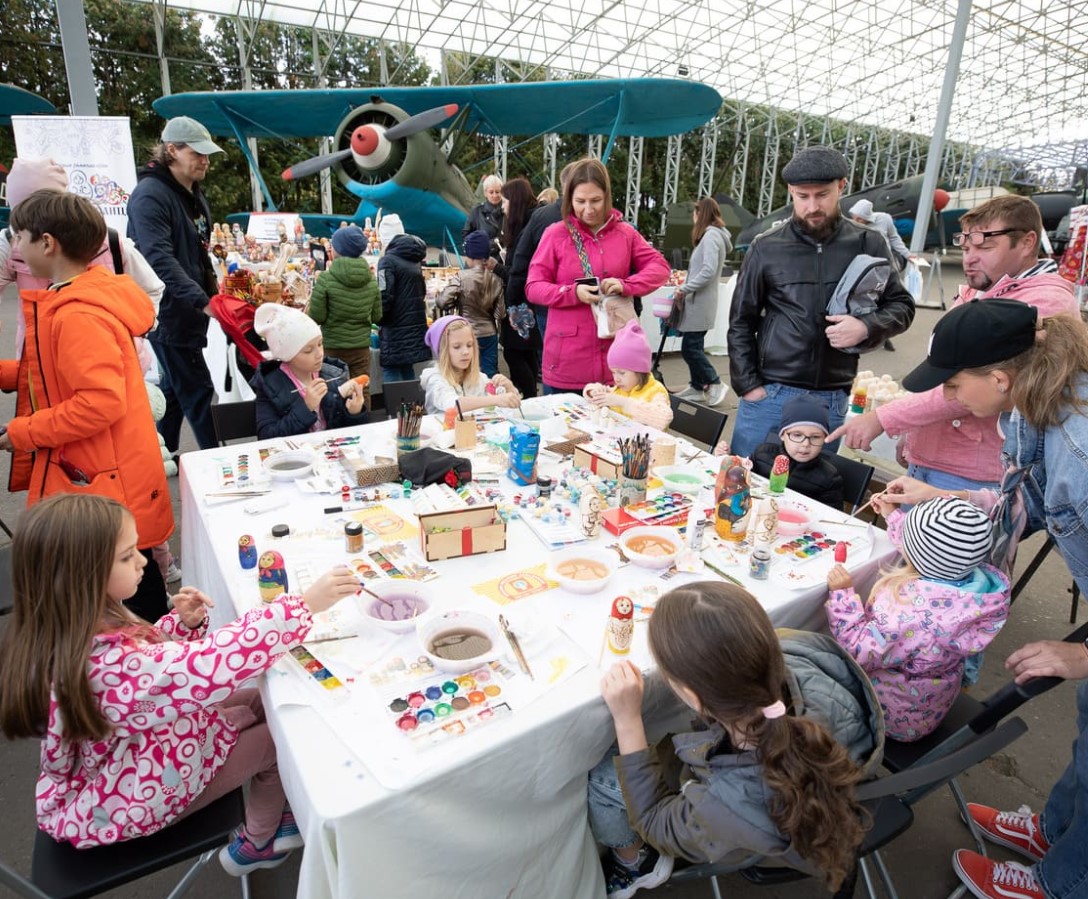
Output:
(978, 238)
(798, 437)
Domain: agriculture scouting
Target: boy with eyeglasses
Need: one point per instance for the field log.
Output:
(802, 432)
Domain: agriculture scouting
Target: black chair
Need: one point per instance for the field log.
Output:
(697, 422)
(235, 421)
(891, 815)
(855, 478)
(1033, 566)
(396, 392)
(59, 871)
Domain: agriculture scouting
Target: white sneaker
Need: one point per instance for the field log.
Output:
(714, 395)
(173, 573)
(690, 393)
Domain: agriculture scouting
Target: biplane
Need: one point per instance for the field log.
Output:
(383, 151)
(17, 101)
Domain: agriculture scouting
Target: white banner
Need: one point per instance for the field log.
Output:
(96, 151)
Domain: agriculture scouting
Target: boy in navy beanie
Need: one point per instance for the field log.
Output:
(802, 431)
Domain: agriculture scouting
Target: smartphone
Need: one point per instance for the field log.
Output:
(595, 283)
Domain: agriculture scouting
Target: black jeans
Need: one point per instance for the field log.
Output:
(149, 600)
(703, 374)
(187, 385)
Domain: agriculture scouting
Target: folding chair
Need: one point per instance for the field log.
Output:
(1033, 566)
(698, 422)
(59, 871)
(235, 421)
(891, 816)
(855, 478)
(397, 392)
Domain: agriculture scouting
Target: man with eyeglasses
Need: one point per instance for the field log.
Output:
(782, 343)
(944, 444)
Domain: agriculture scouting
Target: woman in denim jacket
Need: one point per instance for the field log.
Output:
(997, 358)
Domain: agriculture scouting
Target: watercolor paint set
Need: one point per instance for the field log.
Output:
(242, 472)
(803, 561)
(318, 673)
(450, 706)
(660, 510)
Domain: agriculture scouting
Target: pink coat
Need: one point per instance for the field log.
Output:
(169, 736)
(942, 434)
(913, 644)
(573, 354)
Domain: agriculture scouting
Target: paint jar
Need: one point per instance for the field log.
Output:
(543, 487)
(759, 564)
(353, 537)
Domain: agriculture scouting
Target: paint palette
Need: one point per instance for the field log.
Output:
(398, 671)
(808, 546)
(437, 710)
(665, 506)
(318, 672)
(803, 561)
(244, 471)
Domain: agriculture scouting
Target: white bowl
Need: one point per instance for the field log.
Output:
(651, 538)
(534, 412)
(410, 600)
(289, 465)
(793, 519)
(456, 622)
(687, 479)
(574, 579)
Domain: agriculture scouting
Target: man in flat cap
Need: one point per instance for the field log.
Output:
(782, 341)
(170, 222)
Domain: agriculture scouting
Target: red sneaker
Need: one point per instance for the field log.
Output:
(988, 879)
(1017, 830)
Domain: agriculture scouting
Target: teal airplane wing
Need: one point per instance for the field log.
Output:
(631, 107)
(16, 101)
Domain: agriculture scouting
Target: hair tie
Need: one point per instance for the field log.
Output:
(774, 710)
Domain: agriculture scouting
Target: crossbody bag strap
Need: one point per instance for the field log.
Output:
(583, 257)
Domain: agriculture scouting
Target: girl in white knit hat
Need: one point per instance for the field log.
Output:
(943, 603)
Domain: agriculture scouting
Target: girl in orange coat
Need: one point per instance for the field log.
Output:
(90, 428)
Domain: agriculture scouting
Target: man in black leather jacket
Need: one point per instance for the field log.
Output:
(781, 341)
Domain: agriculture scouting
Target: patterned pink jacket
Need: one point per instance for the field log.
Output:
(169, 739)
(913, 644)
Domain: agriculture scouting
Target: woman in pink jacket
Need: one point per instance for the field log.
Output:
(624, 264)
(141, 724)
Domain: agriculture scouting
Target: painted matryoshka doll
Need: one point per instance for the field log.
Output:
(271, 575)
(247, 552)
(621, 625)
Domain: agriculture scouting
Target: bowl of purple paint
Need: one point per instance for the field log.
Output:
(394, 605)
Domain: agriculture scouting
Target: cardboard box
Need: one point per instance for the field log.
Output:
(604, 466)
(463, 532)
(618, 520)
(367, 474)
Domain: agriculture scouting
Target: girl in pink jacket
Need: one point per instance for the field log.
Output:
(924, 618)
(592, 241)
(141, 724)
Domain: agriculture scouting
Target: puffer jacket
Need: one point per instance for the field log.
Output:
(81, 383)
(777, 320)
(573, 354)
(171, 227)
(817, 478)
(345, 302)
(700, 290)
(404, 312)
(282, 412)
(721, 814)
(941, 434)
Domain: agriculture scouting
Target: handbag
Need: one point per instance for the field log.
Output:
(611, 313)
(431, 466)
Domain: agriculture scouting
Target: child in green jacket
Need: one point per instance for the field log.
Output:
(346, 301)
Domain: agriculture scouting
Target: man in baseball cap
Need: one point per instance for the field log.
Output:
(187, 131)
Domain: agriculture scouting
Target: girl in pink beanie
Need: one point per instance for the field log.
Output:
(637, 394)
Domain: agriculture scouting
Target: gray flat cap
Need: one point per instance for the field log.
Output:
(815, 165)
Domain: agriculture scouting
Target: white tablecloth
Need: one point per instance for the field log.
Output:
(502, 813)
(715, 344)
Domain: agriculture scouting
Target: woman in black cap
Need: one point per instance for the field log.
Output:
(995, 357)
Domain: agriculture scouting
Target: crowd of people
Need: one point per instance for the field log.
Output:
(994, 434)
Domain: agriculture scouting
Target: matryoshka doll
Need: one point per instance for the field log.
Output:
(732, 499)
(589, 511)
(621, 625)
(247, 552)
(271, 575)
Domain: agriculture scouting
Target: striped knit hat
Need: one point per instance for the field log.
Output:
(946, 538)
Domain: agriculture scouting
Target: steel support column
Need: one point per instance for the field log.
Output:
(634, 179)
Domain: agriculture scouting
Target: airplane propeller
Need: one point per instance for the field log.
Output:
(370, 143)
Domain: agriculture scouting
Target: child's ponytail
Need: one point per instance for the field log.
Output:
(715, 639)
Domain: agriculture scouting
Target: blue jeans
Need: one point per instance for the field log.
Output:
(187, 385)
(1063, 872)
(756, 419)
(489, 354)
(398, 373)
(541, 313)
(947, 481)
(703, 374)
(607, 811)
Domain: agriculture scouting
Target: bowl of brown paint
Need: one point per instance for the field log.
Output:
(458, 640)
(583, 570)
(651, 547)
(289, 465)
(394, 605)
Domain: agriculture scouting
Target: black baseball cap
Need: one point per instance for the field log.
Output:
(973, 335)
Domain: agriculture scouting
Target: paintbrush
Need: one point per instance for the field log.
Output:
(512, 639)
(315, 380)
(721, 573)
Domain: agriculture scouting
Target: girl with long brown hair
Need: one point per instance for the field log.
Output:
(792, 726)
(141, 724)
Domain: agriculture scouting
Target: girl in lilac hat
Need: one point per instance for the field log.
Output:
(637, 393)
(456, 378)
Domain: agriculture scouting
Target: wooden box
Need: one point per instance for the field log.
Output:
(462, 532)
(608, 468)
(367, 474)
